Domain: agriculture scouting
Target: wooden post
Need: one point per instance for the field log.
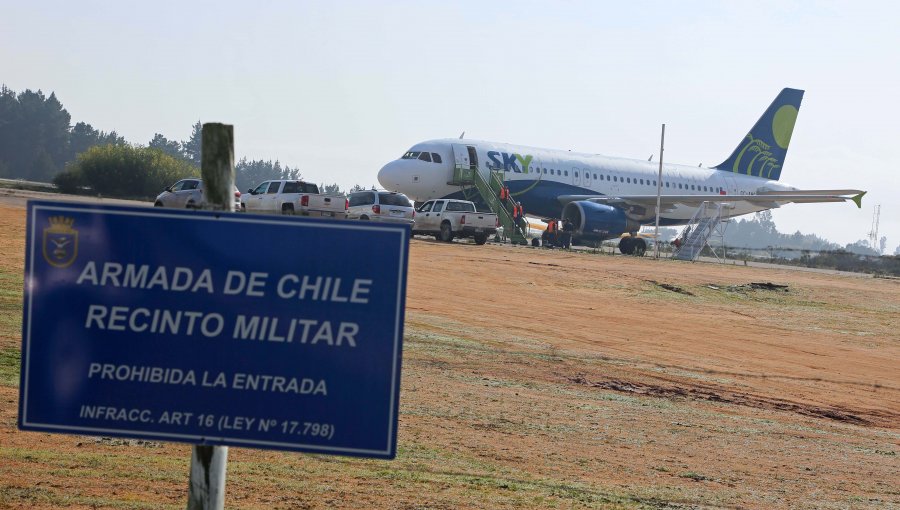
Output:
(206, 489)
(217, 165)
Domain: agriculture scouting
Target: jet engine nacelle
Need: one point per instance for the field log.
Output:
(598, 221)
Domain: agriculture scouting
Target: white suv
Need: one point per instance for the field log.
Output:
(385, 206)
(188, 193)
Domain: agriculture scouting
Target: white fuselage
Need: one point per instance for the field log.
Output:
(537, 177)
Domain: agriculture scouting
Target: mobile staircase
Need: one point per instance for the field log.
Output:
(473, 185)
(704, 224)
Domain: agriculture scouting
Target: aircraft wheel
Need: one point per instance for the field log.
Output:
(640, 247)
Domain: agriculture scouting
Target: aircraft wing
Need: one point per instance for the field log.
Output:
(769, 199)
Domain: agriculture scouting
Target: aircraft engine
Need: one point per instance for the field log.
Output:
(598, 221)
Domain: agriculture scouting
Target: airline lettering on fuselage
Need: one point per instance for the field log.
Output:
(510, 162)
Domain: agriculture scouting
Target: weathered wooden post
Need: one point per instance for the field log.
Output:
(217, 165)
(206, 489)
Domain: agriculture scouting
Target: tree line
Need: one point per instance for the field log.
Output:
(39, 143)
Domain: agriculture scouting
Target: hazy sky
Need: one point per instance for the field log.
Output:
(340, 88)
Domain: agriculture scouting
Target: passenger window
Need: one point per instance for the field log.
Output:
(667, 184)
(260, 189)
(544, 169)
(607, 177)
(595, 177)
(177, 186)
(576, 174)
(435, 157)
(292, 187)
(426, 207)
(628, 180)
(438, 206)
(566, 172)
(189, 185)
(273, 187)
(425, 156)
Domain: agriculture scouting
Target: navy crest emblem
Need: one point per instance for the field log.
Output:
(60, 245)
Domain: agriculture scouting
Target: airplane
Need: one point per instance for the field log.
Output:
(607, 197)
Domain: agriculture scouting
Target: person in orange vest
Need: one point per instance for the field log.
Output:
(521, 216)
(504, 193)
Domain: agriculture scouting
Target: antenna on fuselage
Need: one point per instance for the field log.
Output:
(650, 158)
(461, 135)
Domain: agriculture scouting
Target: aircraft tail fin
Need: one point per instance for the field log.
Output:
(763, 150)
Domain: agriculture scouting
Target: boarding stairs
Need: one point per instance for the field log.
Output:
(705, 224)
(474, 185)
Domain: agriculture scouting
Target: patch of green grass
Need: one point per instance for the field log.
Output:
(10, 304)
(695, 476)
(10, 361)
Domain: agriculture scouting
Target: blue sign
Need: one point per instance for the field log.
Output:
(213, 328)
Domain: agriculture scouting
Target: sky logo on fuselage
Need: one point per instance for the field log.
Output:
(509, 162)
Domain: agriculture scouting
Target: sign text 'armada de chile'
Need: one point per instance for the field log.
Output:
(212, 328)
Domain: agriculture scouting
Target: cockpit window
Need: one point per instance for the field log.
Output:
(436, 157)
(411, 155)
(425, 156)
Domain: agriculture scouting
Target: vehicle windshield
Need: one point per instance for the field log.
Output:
(411, 155)
(397, 199)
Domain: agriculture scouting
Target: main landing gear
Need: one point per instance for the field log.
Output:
(632, 245)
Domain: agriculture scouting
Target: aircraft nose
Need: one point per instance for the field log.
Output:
(389, 176)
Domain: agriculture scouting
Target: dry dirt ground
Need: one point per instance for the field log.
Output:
(544, 379)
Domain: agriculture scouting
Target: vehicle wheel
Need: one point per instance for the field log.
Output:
(626, 246)
(446, 233)
(536, 242)
(287, 209)
(190, 205)
(480, 239)
(158, 204)
(640, 247)
(364, 218)
(243, 207)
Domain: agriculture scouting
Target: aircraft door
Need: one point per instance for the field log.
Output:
(461, 155)
(729, 183)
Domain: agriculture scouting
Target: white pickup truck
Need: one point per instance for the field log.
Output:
(293, 197)
(446, 219)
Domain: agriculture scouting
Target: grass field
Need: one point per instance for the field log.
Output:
(598, 389)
